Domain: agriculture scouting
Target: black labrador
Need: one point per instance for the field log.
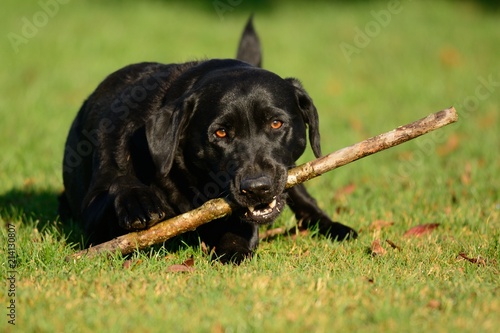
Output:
(156, 140)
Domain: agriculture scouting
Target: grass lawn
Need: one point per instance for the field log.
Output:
(370, 66)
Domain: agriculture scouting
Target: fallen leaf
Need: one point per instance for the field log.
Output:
(421, 230)
(204, 248)
(380, 224)
(346, 190)
(377, 249)
(479, 261)
(434, 304)
(189, 262)
(131, 264)
(179, 268)
(186, 266)
(393, 245)
(450, 146)
(127, 264)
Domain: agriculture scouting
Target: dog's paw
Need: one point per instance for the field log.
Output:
(138, 208)
(232, 249)
(334, 230)
(232, 255)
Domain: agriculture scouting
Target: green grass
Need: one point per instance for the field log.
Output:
(430, 56)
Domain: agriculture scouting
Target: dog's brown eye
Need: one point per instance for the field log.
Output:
(221, 133)
(276, 124)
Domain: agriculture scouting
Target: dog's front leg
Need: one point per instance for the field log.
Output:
(231, 239)
(115, 206)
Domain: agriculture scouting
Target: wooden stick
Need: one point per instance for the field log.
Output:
(371, 146)
(218, 208)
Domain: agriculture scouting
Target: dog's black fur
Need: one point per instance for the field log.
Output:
(156, 140)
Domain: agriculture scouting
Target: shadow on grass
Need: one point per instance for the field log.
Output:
(39, 208)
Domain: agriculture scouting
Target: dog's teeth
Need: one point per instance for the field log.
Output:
(257, 212)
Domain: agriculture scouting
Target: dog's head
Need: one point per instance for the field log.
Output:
(237, 131)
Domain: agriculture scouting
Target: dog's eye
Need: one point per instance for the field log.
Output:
(221, 133)
(276, 124)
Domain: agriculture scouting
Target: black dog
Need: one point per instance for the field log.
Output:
(156, 140)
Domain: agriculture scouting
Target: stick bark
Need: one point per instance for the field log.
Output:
(218, 208)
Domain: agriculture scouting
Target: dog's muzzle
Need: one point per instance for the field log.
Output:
(262, 206)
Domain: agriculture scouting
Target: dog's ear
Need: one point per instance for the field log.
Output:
(309, 114)
(163, 131)
(249, 48)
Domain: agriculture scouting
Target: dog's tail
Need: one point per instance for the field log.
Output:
(249, 48)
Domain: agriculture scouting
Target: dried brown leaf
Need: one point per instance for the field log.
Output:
(434, 304)
(450, 146)
(179, 268)
(393, 245)
(131, 263)
(186, 266)
(189, 262)
(479, 261)
(421, 230)
(204, 248)
(127, 264)
(377, 249)
(346, 190)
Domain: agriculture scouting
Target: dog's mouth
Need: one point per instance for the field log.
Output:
(264, 213)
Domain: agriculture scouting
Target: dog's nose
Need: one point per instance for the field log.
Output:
(259, 186)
